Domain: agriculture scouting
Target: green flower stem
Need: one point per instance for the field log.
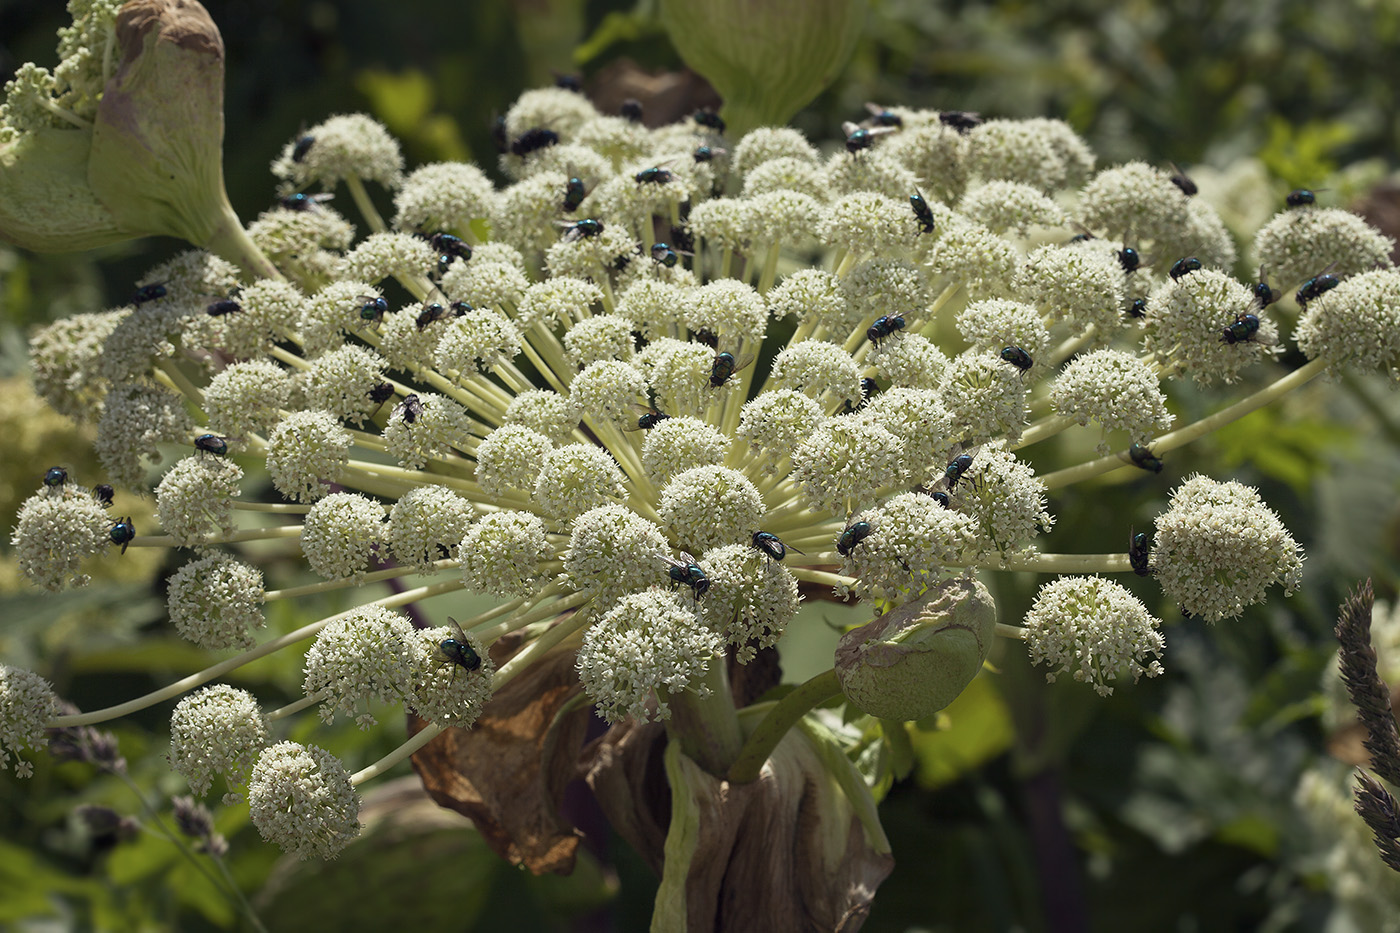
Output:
(228, 240)
(247, 534)
(770, 267)
(1160, 445)
(327, 586)
(1059, 563)
(213, 672)
(707, 727)
(365, 205)
(285, 508)
(536, 613)
(565, 629)
(1071, 346)
(173, 378)
(1011, 631)
(532, 354)
(1048, 426)
(291, 709)
(782, 717)
(425, 735)
(826, 578)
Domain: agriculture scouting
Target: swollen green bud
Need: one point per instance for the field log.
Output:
(766, 58)
(915, 660)
(150, 160)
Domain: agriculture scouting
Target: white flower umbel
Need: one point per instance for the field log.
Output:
(300, 798)
(216, 601)
(26, 703)
(216, 730)
(362, 656)
(1092, 629)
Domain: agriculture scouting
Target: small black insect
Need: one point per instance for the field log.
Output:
(1244, 328)
(302, 147)
(582, 229)
(372, 307)
(686, 571)
(1300, 197)
(883, 116)
(956, 468)
(458, 651)
(884, 327)
(922, 212)
(301, 201)
(941, 498)
(654, 176)
(1129, 259)
(574, 193)
(431, 312)
(498, 134)
(853, 534)
(122, 533)
(1137, 554)
(662, 253)
(1138, 308)
(708, 118)
(381, 393)
(148, 293)
(1315, 288)
(960, 120)
(631, 110)
(1017, 357)
(212, 444)
(1263, 294)
(708, 153)
(650, 419)
(447, 244)
(103, 494)
(533, 140)
(460, 308)
(1183, 181)
(569, 83)
(725, 366)
(681, 237)
(55, 477)
(1184, 267)
(859, 137)
(1144, 459)
(868, 388)
(706, 337)
(409, 409)
(768, 543)
(223, 306)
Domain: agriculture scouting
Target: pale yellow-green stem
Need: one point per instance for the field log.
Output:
(377, 576)
(185, 684)
(1160, 445)
(365, 205)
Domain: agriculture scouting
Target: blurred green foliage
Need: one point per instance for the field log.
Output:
(1176, 797)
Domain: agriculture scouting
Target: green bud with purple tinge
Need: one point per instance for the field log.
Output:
(147, 160)
(915, 659)
(766, 58)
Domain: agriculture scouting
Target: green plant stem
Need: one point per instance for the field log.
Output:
(1265, 396)
(185, 684)
(782, 717)
(364, 204)
(707, 727)
(228, 240)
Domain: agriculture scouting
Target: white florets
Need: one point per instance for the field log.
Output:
(359, 657)
(1115, 390)
(751, 598)
(426, 524)
(300, 798)
(53, 534)
(341, 532)
(216, 730)
(647, 646)
(708, 506)
(501, 554)
(195, 498)
(613, 551)
(846, 463)
(307, 451)
(576, 478)
(1219, 547)
(1356, 324)
(348, 145)
(247, 398)
(1093, 629)
(216, 601)
(27, 702)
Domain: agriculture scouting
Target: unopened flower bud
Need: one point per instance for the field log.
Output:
(913, 661)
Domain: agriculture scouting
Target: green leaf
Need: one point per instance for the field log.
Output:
(979, 728)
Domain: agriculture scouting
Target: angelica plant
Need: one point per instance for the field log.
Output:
(602, 413)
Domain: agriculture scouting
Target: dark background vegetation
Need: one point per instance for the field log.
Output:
(1170, 807)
